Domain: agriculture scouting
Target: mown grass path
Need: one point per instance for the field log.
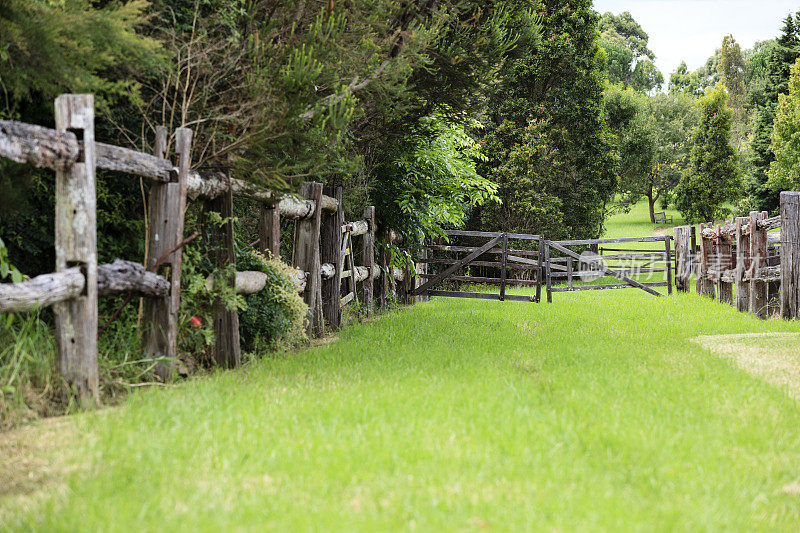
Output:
(594, 413)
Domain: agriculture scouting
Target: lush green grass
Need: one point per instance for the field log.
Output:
(636, 223)
(594, 413)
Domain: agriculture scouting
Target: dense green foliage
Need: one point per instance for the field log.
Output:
(712, 177)
(548, 144)
(784, 171)
(630, 61)
(782, 55)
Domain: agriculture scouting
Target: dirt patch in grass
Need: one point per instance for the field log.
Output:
(774, 357)
(34, 463)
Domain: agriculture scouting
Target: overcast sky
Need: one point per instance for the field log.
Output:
(691, 30)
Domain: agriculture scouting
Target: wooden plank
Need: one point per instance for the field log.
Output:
(725, 262)
(269, 230)
(522, 260)
(167, 206)
(790, 255)
(481, 296)
(587, 242)
(606, 287)
(38, 146)
(758, 254)
(634, 271)
(368, 259)
(484, 279)
(129, 161)
(498, 251)
(306, 254)
(331, 252)
(462, 262)
(608, 271)
(548, 274)
(491, 234)
(683, 258)
(76, 245)
(741, 285)
(503, 270)
(669, 266)
(539, 271)
(347, 298)
(491, 264)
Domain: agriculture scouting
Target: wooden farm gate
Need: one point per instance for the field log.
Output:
(595, 265)
(505, 259)
(541, 262)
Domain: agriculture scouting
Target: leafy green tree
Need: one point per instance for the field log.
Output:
(782, 55)
(430, 181)
(784, 171)
(697, 81)
(713, 174)
(629, 60)
(732, 67)
(548, 146)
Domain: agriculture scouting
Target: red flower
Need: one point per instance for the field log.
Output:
(196, 322)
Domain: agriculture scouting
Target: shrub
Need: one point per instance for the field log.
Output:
(274, 316)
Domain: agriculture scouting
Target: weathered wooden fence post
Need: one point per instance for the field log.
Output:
(166, 217)
(704, 285)
(742, 275)
(306, 257)
(683, 258)
(790, 254)
(725, 260)
(667, 247)
(758, 258)
(227, 348)
(548, 276)
(269, 229)
(331, 252)
(368, 259)
(76, 245)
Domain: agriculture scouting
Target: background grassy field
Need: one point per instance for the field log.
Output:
(597, 412)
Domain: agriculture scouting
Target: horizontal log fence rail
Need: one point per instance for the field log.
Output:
(745, 262)
(318, 253)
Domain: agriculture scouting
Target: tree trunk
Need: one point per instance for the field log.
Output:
(651, 202)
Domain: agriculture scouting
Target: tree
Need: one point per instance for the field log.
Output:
(548, 145)
(697, 81)
(713, 174)
(732, 69)
(629, 60)
(782, 55)
(784, 171)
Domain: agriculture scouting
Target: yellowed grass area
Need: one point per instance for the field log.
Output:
(774, 357)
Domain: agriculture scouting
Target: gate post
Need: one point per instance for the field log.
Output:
(758, 258)
(790, 254)
(683, 258)
(547, 266)
(742, 266)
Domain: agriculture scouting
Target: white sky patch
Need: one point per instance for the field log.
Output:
(690, 30)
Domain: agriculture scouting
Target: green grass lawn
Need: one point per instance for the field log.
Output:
(596, 412)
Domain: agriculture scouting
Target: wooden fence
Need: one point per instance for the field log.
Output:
(323, 249)
(745, 262)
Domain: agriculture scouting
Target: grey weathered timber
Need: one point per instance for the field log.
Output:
(491, 264)
(269, 230)
(725, 261)
(704, 285)
(383, 280)
(604, 287)
(166, 217)
(250, 282)
(226, 350)
(790, 254)
(368, 259)
(359, 227)
(539, 271)
(48, 289)
(76, 245)
(512, 236)
(43, 147)
(606, 270)
(667, 243)
(587, 242)
(683, 258)
(120, 159)
(548, 274)
(483, 279)
(459, 264)
(503, 270)
(742, 285)
(330, 252)
(38, 146)
(616, 269)
(770, 223)
(448, 248)
(758, 259)
(773, 293)
(306, 257)
(481, 296)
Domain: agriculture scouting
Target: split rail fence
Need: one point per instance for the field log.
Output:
(745, 262)
(323, 249)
